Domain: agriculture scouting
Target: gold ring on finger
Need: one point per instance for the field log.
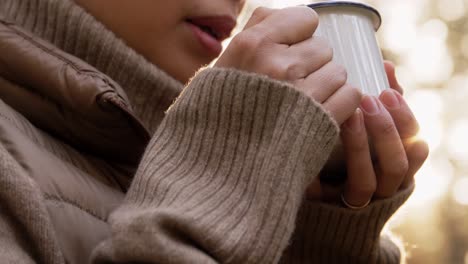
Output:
(354, 207)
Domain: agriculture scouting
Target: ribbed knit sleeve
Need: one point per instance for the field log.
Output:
(224, 176)
(328, 233)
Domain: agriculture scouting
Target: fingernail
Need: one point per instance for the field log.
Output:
(390, 99)
(370, 105)
(355, 122)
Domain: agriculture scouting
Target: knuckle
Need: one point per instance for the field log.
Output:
(357, 147)
(326, 50)
(409, 125)
(364, 189)
(353, 95)
(383, 193)
(242, 40)
(420, 153)
(278, 71)
(323, 48)
(260, 12)
(306, 10)
(251, 39)
(315, 16)
(356, 95)
(341, 75)
(398, 169)
(304, 15)
(311, 15)
(387, 127)
(294, 71)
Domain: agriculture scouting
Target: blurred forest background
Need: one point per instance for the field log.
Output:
(428, 41)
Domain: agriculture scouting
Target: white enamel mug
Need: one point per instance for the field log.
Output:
(350, 29)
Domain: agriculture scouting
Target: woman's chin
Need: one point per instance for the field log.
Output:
(184, 74)
(182, 64)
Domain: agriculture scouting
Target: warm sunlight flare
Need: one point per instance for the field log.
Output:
(453, 11)
(433, 181)
(428, 108)
(458, 140)
(460, 193)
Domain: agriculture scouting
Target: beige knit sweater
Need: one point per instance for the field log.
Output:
(223, 178)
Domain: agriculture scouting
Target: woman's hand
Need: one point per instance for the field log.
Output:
(390, 125)
(279, 44)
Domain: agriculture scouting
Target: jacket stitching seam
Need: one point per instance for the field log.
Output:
(8, 119)
(74, 204)
(11, 121)
(67, 62)
(60, 199)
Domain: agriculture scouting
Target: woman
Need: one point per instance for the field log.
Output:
(94, 169)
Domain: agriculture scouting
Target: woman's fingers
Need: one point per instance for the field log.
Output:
(403, 117)
(310, 55)
(361, 181)
(391, 155)
(324, 82)
(258, 15)
(417, 152)
(407, 126)
(390, 70)
(301, 19)
(343, 103)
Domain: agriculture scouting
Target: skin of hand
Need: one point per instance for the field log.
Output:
(389, 123)
(285, 50)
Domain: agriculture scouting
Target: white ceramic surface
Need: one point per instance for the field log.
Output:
(351, 32)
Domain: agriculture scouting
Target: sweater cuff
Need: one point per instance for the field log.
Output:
(327, 233)
(224, 175)
(263, 109)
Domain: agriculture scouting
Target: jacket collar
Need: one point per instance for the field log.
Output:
(78, 80)
(68, 98)
(68, 27)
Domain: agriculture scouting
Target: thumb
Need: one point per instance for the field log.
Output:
(259, 14)
(390, 70)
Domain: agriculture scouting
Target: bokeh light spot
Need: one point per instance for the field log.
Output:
(399, 34)
(460, 191)
(435, 27)
(432, 182)
(464, 46)
(458, 140)
(428, 107)
(429, 51)
(451, 10)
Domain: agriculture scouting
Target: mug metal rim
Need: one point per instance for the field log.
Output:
(377, 18)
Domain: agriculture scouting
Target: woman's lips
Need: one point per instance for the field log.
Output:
(209, 42)
(211, 31)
